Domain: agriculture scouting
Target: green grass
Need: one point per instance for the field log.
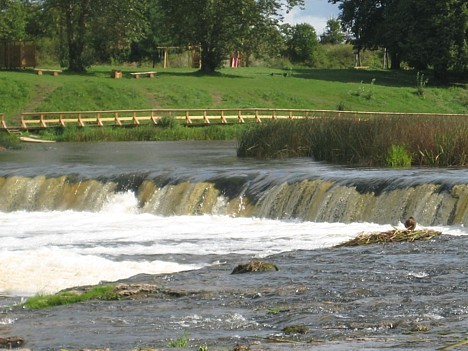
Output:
(23, 91)
(180, 342)
(143, 133)
(104, 292)
(9, 141)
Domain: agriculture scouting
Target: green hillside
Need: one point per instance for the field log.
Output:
(346, 89)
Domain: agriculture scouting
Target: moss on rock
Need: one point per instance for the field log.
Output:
(255, 266)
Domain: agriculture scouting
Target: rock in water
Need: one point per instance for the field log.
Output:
(255, 266)
(11, 342)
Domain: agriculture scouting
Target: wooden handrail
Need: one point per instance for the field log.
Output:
(37, 120)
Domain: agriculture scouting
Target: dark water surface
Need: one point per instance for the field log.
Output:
(406, 296)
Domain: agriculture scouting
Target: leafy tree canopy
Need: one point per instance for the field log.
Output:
(333, 33)
(425, 33)
(220, 26)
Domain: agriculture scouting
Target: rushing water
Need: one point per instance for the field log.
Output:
(79, 214)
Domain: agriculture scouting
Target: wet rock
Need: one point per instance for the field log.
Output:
(296, 329)
(255, 266)
(11, 342)
(240, 347)
(134, 290)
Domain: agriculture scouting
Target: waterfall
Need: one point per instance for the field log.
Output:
(315, 200)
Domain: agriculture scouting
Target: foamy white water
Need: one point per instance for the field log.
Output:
(44, 252)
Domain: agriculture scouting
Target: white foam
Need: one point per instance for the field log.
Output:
(49, 269)
(43, 252)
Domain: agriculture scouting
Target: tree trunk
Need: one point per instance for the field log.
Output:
(209, 60)
(441, 73)
(76, 29)
(395, 60)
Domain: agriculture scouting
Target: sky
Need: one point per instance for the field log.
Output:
(316, 13)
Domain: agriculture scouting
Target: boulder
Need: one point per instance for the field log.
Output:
(255, 266)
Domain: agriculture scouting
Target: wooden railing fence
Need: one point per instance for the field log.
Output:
(41, 120)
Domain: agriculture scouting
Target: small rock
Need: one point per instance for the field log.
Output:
(296, 329)
(240, 347)
(255, 266)
(11, 342)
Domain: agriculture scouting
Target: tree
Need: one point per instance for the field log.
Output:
(108, 24)
(424, 33)
(333, 33)
(363, 19)
(154, 36)
(302, 44)
(437, 36)
(220, 26)
(13, 20)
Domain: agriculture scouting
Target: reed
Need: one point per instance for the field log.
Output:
(390, 141)
(9, 141)
(164, 132)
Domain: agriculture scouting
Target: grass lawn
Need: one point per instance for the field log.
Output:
(348, 89)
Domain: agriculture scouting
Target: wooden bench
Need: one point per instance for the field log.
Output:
(148, 74)
(41, 71)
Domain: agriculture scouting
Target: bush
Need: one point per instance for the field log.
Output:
(398, 156)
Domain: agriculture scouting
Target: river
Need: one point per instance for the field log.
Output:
(184, 214)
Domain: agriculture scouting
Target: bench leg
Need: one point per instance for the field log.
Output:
(55, 73)
(39, 73)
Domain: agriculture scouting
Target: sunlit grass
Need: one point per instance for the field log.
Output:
(23, 91)
(102, 292)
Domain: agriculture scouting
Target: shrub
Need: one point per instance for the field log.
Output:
(398, 157)
(421, 82)
(181, 341)
(167, 122)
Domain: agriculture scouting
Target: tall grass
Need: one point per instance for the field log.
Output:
(164, 132)
(9, 141)
(390, 141)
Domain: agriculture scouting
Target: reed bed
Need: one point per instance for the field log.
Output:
(144, 133)
(8, 141)
(393, 141)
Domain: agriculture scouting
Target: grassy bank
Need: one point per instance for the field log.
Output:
(345, 89)
(395, 142)
(173, 131)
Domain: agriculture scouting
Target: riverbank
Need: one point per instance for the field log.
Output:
(345, 89)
